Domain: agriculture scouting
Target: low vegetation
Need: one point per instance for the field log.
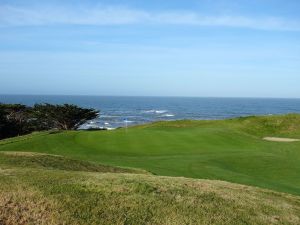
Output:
(80, 177)
(46, 189)
(36, 160)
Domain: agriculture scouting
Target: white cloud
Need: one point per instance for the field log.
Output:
(22, 16)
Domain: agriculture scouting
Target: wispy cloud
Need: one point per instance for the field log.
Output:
(30, 16)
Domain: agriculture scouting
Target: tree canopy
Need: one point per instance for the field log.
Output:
(16, 119)
(63, 117)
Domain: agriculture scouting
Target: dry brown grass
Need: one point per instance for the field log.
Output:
(24, 205)
(53, 197)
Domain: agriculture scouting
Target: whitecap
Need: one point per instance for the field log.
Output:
(167, 115)
(157, 111)
(128, 121)
(148, 111)
(108, 116)
(161, 111)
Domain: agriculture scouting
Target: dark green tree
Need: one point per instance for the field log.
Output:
(14, 120)
(4, 124)
(62, 117)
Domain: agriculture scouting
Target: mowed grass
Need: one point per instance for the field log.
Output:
(229, 150)
(48, 189)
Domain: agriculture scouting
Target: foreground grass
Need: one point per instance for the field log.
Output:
(34, 160)
(45, 193)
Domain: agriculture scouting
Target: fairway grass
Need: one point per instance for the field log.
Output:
(48, 189)
(231, 150)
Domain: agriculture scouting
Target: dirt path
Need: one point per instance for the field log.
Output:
(276, 139)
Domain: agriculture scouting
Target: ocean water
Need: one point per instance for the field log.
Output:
(122, 111)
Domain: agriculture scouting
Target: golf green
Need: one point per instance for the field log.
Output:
(231, 150)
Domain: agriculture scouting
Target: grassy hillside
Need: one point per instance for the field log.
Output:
(56, 162)
(230, 150)
(46, 189)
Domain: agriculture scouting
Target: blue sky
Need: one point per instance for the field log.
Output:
(224, 48)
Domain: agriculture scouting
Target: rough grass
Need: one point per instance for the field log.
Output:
(42, 195)
(231, 150)
(284, 125)
(38, 160)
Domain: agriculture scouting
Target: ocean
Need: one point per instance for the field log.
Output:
(122, 111)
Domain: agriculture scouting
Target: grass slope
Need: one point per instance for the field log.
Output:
(230, 150)
(38, 160)
(32, 192)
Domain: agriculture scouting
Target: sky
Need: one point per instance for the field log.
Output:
(206, 48)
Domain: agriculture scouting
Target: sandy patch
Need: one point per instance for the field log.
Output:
(277, 139)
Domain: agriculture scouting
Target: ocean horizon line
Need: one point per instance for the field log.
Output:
(149, 96)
